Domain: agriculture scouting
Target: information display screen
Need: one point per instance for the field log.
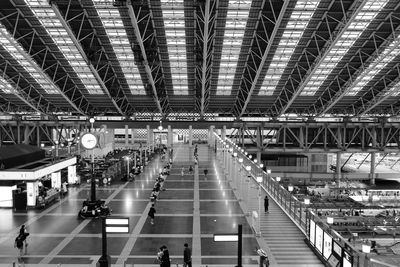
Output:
(312, 232)
(337, 249)
(319, 235)
(327, 245)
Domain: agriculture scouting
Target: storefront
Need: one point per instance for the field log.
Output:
(35, 184)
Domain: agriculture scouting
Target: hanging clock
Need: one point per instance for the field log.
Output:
(89, 141)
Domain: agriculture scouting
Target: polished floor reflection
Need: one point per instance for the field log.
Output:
(191, 210)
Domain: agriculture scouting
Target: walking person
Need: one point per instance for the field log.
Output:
(165, 261)
(266, 203)
(187, 256)
(205, 172)
(151, 213)
(23, 234)
(182, 171)
(19, 244)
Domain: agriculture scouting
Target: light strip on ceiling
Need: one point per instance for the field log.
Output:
(362, 20)
(298, 22)
(380, 62)
(174, 24)
(112, 23)
(53, 26)
(236, 20)
(30, 66)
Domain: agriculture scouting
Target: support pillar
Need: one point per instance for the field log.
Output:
(132, 136)
(169, 137)
(372, 169)
(211, 136)
(338, 167)
(223, 133)
(126, 135)
(148, 142)
(38, 135)
(258, 157)
(190, 136)
(26, 135)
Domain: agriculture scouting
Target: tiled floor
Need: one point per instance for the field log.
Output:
(191, 210)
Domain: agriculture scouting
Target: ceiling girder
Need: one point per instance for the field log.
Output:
(78, 45)
(289, 95)
(240, 104)
(206, 16)
(77, 98)
(162, 102)
(327, 104)
(33, 64)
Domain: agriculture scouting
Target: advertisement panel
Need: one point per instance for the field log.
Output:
(327, 245)
(347, 259)
(319, 236)
(312, 232)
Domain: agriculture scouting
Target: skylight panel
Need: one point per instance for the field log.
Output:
(6, 87)
(236, 20)
(115, 29)
(31, 67)
(174, 23)
(380, 62)
(361, 21)
(299, 19)
(52, 24)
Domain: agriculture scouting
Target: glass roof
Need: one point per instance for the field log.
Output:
(112, 22)
(52, 24)
(301, 16)
(366, 15)
(6, 87)
(380, 62)
(174, 24)
(236, 20)
(31, 67)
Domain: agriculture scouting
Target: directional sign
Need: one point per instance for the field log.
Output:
(117, 225)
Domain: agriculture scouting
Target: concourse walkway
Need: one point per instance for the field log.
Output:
(191, 210)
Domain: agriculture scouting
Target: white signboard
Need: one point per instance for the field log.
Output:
(327, 245)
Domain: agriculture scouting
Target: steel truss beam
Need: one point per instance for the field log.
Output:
(335, 97)
(205, 33)
(154, 73)
(289, 95)
(255, 55)
(101, 61)
(391, 87)
(77, 42)
(59, 76)
(33, 64)
(26, 94)
(322, 137)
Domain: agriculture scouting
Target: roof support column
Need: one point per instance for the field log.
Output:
(190, 136)
(338, 167)
(372, 169)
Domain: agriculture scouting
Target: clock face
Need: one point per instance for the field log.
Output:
(89, 141)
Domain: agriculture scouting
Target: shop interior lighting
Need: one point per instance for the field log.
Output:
(259, 179)
(226, 238)
(380, 62)
(115, 29)
(329, 220)
(290, 188)
(307, 201)
(248, 168)
(278, 179)
(30, 66)
(298, 22)
(362, 20)
(269, 171)
(51, 23)
(236, 20)
(174, 23)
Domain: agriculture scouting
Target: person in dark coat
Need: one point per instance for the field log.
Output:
(187, 256)
(151, 213)
(165, 261)
(266, 203)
